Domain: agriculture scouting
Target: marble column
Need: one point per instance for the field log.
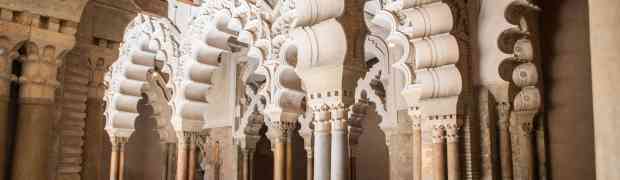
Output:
(322, 144)
(340, 144)
(414, 114)
(452, 140)
(309, 164)
(117, 157)
(183, 154)
(439, 159)
(505, 153)
(277, 136)
(193, 159)
(289, 155)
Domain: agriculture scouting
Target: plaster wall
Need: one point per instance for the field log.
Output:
(604, 42)
(567, 81)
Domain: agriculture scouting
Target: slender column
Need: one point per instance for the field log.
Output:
(289, 155)
(182, 155)
(322, 144)
(116, 159)
(309, 164)
(193, 158)
(121, 162)
(439, 159)
(415, 115)
(522, 130)
(306, 132)
(339, 149)
(452, 138)
(278, 140)
(247, 164)
(503, 110)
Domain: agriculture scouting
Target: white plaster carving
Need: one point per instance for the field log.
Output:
(147, 40)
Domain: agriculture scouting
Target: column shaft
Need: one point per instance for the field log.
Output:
(246, 164)
(289, 156)
(454, 171)
(32, 139)
(182, 157)
(193, 158)
(528, 150)
(309, 166)
(322, 157)
(4, 135)
(279, 168)
(505, 151)
(121, 162)
(439, 159)
(504, 141)
(114, 160)
(417, 152)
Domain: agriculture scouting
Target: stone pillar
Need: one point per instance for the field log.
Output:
(439, 159)
(322, 144)
(340, 145)
(452, 140)
(117, 157)
(505, 149)
(33, 135)
(37, 91)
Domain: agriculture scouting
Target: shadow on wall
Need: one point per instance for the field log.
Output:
(567, 82)
(373, 160)
(144, 163)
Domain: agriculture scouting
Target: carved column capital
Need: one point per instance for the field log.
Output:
(279, 131)
(339, 117)
(415, 113)
(187, 137)
(438, 134)
(322, 116)
(118, 142)
(452, 133)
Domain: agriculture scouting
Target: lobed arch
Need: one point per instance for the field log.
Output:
(149, 46)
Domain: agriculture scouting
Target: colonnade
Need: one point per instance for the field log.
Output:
(31, 109)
